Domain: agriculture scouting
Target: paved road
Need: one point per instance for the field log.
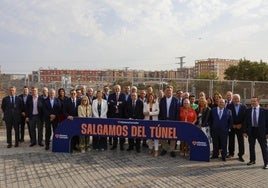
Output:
(35, 167)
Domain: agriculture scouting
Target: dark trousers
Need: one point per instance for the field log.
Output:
(9, 126)
(99, 142)
(219, 140)
(121, 141)
(22, 128)
(34, 123)
(263, 144)
(132, 143)
(48, 133)
(240, 140)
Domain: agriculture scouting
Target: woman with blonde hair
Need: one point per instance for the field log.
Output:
(151, 111)
(203, 114)
(84, 110)
(99, 110)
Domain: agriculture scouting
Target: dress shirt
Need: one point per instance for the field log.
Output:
(168, 101)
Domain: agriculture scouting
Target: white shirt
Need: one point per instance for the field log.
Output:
(168, 101)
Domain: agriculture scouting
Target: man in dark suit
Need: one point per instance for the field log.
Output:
(134, 110)
(34, 115)
(12, 108)
(24, 97)
(256, 127)
(70, 110)
(221, 122)
(238, 114)
(51, 107)
(168, 110)
(116, 102)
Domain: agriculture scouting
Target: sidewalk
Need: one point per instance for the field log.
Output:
(34, 167)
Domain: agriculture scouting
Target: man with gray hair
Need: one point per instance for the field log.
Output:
(238, 114)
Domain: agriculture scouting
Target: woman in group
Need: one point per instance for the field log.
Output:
(187, 114)
(151, 111)
(99, 110)
(203, 113)
(84, 110)
(62, 98)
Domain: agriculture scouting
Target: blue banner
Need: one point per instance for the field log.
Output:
(162, 130)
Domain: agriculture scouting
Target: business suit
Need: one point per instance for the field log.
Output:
(99, 110)
(24, 99)
(259, 132)
(50, 111)
(238, 119)
(35, 118)
(134, 110)
(12, 117)
(70, 109)
(168, 114)
(220, 127)
(116, 110)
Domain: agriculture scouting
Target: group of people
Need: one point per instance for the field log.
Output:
(221, 119)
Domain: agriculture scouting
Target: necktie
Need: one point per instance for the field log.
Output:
(74, 103)
(220, 114)
(12, 100)
(117, 97)
(255, 123)
(133, 105)
(52, 103)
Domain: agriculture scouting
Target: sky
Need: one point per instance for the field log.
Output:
(133, 34)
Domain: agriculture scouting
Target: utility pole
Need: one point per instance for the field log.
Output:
(181, 61)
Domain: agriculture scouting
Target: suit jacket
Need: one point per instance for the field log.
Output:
(24, 103)
(173, 110)
(221, 125)
(69, 109)
(113, 104)
(12, 113)
(49, 110)
(262, 122)
(136, 113)
(29, 107)
(104, 108)
(238, 118)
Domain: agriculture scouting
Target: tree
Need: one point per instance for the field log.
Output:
(246, 70)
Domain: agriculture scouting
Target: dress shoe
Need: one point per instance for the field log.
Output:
(163, 152)
(241, 159)
(214, 157)
(155, 153)
(251, 163)
(265, 166)
(172, 154)
(9, 146)
(113, 148)
(138, 150)
(223, 159)
(41, 144)
(31, 145)
(16, 145)
(47, 147)
(122, 148)
(230, 156)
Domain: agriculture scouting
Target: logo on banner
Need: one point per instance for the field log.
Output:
(198, 143)
(61, 136)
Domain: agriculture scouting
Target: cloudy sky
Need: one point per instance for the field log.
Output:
(139, 34)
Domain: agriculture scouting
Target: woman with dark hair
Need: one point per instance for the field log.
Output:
(62, 98)
(150, 112)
